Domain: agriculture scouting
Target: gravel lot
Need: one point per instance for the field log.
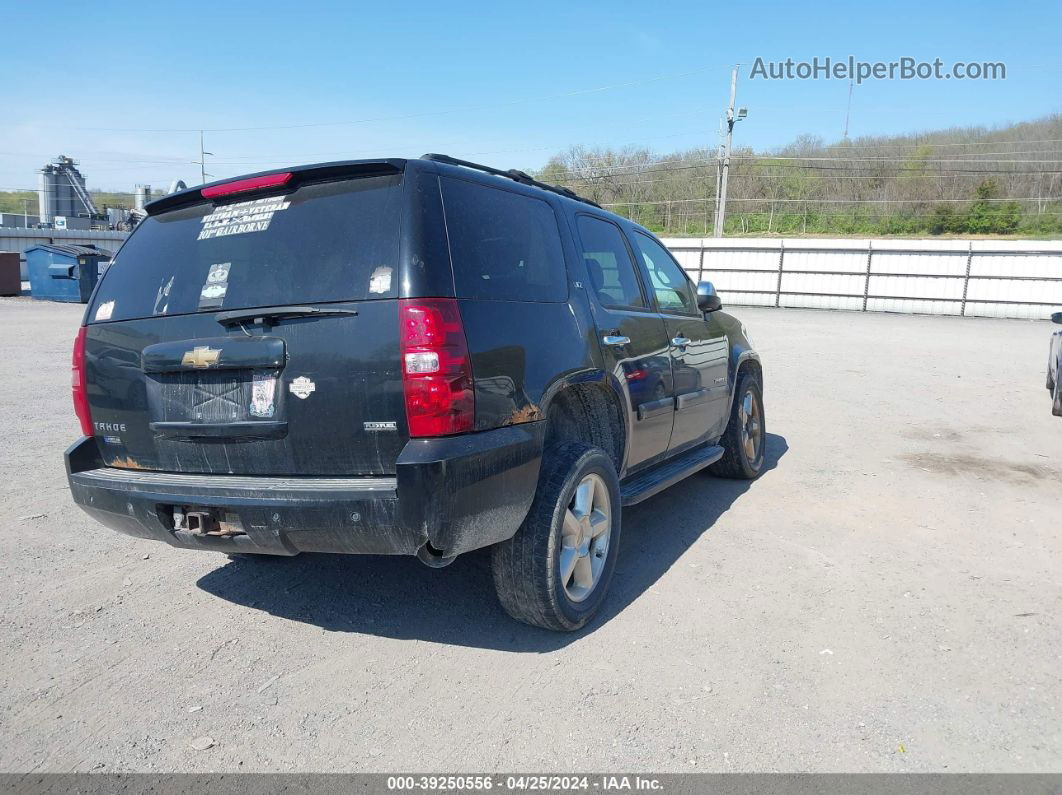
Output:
(885, 598)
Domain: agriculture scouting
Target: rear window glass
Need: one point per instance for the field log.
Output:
(332, 241)
(504, 246)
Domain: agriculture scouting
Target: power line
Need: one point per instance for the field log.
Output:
(869, 175)
(820, 213)
(766, 160)
(588, 183)
(831, 147)
(94, 191)
(884, 159)
(828, 201)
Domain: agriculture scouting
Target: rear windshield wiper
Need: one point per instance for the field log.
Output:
(265, 314)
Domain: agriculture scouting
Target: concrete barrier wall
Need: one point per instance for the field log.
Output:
(983, 278)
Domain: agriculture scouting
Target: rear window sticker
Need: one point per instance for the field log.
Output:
(301, 387)
(380, 281)
(162, 299)
(216, 285)
(242, 217)
(104, 311)
(263, 394)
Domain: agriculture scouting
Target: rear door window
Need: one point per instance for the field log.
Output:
(504, 246)
(609, 264)
(334, 241)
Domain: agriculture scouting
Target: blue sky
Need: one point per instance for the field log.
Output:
(504, 83)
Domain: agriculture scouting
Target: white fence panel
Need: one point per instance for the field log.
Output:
(1014, 265)
(914, 262)
(821, 302)
(987, 278)
(1020, 311)
(741, 260)
(1014, 291)
(823, 284)
(918, 287)
(688, 258)
(825, 260)
(749, 299)
(908, 306)
(741, 282)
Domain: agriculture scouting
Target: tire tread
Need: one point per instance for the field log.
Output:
(733, 464)
(527, 588)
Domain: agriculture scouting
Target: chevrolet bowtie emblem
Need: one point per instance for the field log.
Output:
(201, 357)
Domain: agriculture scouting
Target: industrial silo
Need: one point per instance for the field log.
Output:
(141, 196)
(46, 195)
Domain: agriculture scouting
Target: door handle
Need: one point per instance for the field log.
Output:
(612, 339)
(680, 342)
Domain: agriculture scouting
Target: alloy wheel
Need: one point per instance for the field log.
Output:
(585, 537)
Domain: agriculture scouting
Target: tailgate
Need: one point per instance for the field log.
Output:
(176, 383)
(313, 396)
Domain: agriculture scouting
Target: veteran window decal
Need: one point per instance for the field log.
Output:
(242, 217)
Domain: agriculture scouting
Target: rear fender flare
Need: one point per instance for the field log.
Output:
(599, 378)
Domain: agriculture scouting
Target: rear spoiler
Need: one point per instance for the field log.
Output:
(319, 172)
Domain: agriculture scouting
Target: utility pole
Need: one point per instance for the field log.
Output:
(718, 177)
(731, 119)
(202, 160)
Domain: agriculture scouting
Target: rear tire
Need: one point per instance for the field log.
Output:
(555, 571)
(745, 438)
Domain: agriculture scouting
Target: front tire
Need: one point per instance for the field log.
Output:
(555, 571)
(745, 438)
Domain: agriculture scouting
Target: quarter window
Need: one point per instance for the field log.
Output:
(503, 246)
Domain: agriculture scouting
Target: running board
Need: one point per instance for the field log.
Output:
(667, 473)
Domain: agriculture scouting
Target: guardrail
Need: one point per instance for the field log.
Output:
(985, 278)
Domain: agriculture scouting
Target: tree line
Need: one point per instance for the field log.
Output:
(963, 182)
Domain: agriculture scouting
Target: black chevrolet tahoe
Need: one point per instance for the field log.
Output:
(409, 357)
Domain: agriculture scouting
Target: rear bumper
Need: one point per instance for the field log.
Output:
(458, 493)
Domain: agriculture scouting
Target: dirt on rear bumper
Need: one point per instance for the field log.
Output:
(457, 493)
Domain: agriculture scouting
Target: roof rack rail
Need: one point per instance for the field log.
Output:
(513, 174)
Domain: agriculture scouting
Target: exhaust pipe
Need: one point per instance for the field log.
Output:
(435, 558)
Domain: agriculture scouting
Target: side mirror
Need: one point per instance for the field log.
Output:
(1056, 317)
(707, 300)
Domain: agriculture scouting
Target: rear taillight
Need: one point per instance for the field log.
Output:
(436, 370)
(77, 382)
